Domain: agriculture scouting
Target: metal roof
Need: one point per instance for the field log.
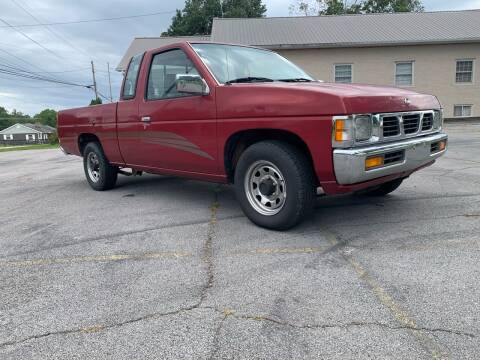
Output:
(41, 128)
(142, 44)
(350, 30)
(27, 128)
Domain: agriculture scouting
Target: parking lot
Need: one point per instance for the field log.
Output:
(168, 268)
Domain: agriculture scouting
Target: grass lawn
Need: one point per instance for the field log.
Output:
(28, 147)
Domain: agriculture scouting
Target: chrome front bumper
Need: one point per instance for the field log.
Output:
(349, 164)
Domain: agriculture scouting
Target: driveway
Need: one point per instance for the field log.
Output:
(166, 268)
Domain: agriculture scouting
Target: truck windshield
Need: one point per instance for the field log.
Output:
(235, 64)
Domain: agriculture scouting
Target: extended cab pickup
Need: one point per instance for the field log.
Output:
(247, 116)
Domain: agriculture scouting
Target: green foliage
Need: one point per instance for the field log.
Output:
(339, 7)
(44, 117)
(47, 117)
(53, 139)
(8, 119)
(390, 6)
(96, 101)
(197, 16)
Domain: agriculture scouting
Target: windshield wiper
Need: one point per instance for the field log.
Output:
(249, 79)
(296, 80)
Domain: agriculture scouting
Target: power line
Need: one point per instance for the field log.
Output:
(22, 60)
(67, 71)
(54, 33)
(14, 68)
(29, 38)
(94, 20)
(32, 76)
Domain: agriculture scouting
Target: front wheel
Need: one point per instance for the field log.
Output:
(98, 171)
(274, 185)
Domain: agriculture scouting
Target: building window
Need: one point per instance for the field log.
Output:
(7, 137)
(464, 71)
(30, 137)
(404, 73)
(343, 73)
(462, 110)
(45, 136)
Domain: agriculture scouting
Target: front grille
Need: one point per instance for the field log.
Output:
(411, 123)
(394, 157)
(427, 122)
(391, 126)
(406, 124)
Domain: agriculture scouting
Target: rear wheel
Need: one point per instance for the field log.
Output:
(98, 171)
(383, 189)
(274, 184)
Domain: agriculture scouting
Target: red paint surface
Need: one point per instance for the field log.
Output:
(187, 136)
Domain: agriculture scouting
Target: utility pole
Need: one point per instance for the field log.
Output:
(94, 81)
(109, 82)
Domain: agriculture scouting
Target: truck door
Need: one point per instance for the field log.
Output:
(173, 131)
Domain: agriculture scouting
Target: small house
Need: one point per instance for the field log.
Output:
(24, 134)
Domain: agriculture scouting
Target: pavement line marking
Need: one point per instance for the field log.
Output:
(401, 315)
(267, 251)
(95, 258)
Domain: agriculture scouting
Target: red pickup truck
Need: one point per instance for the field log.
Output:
(249, 117)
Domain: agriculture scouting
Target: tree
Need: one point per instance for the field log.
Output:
(47, 117)
(391, 6)
(197, 16)
(325, 7)
(8, 119)
(96, 101)
(339, 7)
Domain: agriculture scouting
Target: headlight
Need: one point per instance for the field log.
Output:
(363, 127)
(437, 119)
(349, 130)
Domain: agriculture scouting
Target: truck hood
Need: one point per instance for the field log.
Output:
(316, 98)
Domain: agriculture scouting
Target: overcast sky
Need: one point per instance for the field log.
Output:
(68, 49)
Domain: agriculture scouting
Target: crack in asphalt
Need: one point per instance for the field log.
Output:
(123, 233)
(227, 313)
(208, 260)
(366, 202)
(385, 299)
(340, 325)
(410, 220)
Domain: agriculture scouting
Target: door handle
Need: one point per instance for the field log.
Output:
(146, 119)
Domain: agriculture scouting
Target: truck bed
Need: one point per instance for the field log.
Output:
(97, 120)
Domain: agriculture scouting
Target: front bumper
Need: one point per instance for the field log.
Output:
(349, 164)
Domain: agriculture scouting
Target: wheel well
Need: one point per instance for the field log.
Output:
(238, 142)
(84, 139)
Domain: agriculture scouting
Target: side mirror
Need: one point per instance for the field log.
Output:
(191, 84)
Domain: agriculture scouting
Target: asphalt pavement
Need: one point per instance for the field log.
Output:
(168, 268)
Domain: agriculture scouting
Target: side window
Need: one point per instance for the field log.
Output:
(163, 71)
(131, 77)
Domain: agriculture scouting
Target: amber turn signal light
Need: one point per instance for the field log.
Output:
(373, 162)
(442, 145)
(340, 130)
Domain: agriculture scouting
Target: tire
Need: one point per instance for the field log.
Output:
(383, 189)
(98, 171)
(267, 171)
